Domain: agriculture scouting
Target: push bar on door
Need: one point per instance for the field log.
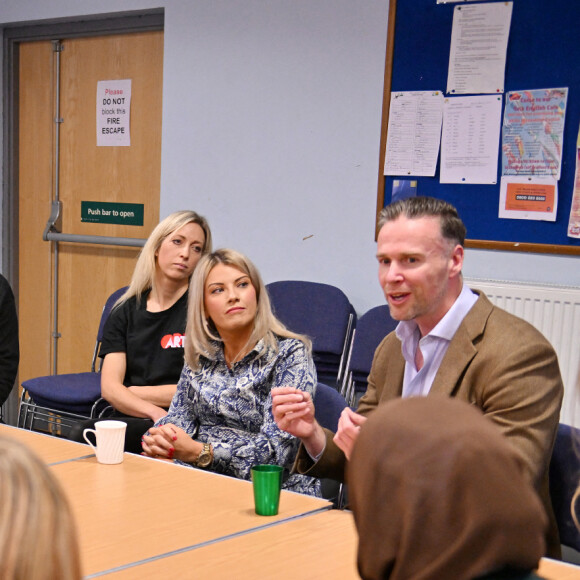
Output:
(52, 233)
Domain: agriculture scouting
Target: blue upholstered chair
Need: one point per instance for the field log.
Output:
(564, 481)
(54, 403)
(324, 314)
(328, 405)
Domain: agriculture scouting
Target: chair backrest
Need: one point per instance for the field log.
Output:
(107, 310)
(320, 311)
(323, 313)
(564, 480)
(328, 405)
(371, 328)
(104, 315)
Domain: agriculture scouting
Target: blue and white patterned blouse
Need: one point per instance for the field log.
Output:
(232, 409)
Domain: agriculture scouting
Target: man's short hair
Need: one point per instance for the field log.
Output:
(452, 228)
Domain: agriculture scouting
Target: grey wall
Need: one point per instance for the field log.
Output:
(271, 125)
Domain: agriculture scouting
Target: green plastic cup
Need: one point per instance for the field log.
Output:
(267, 480)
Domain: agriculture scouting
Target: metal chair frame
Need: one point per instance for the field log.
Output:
(365, 332)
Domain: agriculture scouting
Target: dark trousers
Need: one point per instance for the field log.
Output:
(136, 428)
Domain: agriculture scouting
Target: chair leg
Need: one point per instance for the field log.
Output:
(350, 393)
(22, 411)
(341, 497)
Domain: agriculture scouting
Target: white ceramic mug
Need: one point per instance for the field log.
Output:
(110, 437)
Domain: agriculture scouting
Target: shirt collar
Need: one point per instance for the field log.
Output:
(448, 325)
(256, 351)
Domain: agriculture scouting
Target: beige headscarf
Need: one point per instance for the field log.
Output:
(438, 493)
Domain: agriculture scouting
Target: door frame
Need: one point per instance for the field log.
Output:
(57, 29)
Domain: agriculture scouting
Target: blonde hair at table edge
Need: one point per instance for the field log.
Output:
(38, 539)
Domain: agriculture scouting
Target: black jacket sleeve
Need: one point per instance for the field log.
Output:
(9, 347)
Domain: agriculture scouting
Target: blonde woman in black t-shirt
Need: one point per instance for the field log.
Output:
(142, 347)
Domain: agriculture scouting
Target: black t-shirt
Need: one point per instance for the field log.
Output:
(151, 341)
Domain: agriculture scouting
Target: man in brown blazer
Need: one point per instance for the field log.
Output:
(451, 341)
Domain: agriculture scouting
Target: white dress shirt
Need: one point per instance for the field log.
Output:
(433, 345)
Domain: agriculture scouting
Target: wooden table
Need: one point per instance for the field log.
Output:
(145, 508)
(50, 449)
(554, 570)
(318, 546)
(146, 518)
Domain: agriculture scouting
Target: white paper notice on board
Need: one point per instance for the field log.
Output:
(479, 40)
(114, 113)
(470, 141)
(414, 133)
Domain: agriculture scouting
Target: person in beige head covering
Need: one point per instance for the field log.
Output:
(438, 493)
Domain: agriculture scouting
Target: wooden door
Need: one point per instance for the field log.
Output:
(87, 273)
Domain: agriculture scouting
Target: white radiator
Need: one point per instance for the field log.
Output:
(555, 312)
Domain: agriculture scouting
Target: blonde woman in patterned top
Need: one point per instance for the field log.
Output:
(236, 351)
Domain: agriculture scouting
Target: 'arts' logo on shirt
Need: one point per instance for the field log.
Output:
(173, 340)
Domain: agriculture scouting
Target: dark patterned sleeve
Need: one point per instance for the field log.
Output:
(236, 451)
(181, 411)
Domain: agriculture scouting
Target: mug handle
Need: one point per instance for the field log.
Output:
(88, 440)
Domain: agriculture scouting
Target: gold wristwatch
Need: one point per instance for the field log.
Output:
(205, 457)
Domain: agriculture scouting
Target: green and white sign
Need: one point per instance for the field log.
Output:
(102, 212)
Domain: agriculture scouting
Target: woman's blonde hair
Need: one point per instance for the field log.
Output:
(144, 274)
(38, 539)
(201, 334)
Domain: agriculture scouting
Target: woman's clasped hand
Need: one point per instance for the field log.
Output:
(170, 442)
